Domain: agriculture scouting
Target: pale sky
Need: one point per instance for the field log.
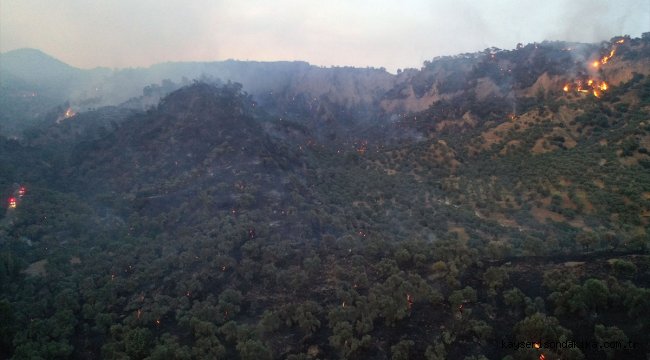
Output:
(392, 34)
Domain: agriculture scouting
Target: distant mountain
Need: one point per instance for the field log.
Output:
(35, 66)
(333, 101)
(29, 76)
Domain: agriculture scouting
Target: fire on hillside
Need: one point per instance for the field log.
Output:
(594, 85)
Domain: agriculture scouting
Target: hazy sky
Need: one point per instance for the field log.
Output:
(393, 34)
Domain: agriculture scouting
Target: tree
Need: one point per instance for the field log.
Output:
(253, 350)
(539, 327)
(609, 335)
(572, 301)
(587, 239)
(596, 294)
(459, 297)
(7, 324)
(623, 267)
(168, 348)
(400, 351)
(304, 316)
(344, 341)
(494, 277)
(270, 322)
(514, 299)
(137, 343)
(436, 351)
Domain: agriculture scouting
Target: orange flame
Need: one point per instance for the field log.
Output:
(69, 113)
(536, 345)
(594, 86)
(606, 58)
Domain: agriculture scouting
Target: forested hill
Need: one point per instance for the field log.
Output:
(512, 207)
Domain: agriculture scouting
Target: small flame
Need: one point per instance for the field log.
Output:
(566, 88)
(606, 58)
(603, 86)
(536, 345)
(69, 113)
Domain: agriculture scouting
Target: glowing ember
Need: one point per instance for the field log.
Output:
(596, 87)
(69, 113)
(536, 345)
(591, 86)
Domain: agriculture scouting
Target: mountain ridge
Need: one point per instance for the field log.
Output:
(216, 223)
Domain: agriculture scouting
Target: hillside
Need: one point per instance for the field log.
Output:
(453, 212)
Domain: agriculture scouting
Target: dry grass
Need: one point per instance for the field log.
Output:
(36, 269)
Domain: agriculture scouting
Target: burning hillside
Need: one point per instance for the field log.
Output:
(586, 86)
(593, 83)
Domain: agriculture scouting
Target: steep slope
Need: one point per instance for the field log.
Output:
(508, 211)
(204, 149)
(567, 166)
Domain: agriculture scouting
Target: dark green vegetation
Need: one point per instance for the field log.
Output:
(206, 228)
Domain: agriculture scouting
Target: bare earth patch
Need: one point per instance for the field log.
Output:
(36, 268)
(542, 214)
